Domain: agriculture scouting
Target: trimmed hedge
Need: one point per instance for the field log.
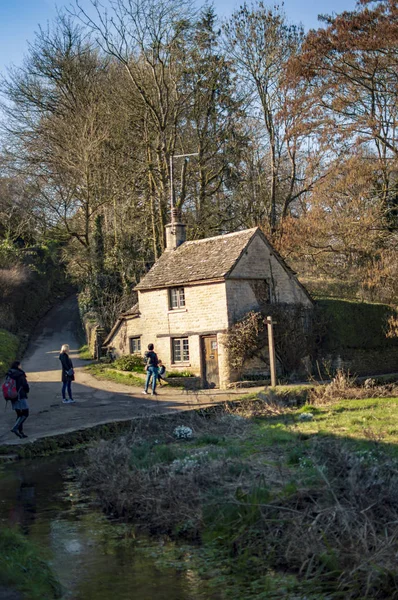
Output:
(351, 324)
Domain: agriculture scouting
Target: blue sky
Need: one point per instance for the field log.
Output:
(19, 19)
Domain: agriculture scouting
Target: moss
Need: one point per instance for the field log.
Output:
(23, 567)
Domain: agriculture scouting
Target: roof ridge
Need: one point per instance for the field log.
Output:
(217, 237)
(198, 260)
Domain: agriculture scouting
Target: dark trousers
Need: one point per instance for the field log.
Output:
(22, 415)
(67, 384)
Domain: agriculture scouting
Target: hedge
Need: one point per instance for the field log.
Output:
(351, 324)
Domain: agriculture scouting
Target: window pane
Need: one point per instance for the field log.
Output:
(182, 296)
(185, 352)
(177, 350)
(135, 345)
(173, 298)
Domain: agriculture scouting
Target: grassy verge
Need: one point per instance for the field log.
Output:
(23, 568)
(9, 345)
(106, 372)
(285, 502)
(85, 352)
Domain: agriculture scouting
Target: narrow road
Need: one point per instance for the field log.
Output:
(97, 402)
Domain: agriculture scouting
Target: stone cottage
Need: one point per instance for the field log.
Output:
(195, 291)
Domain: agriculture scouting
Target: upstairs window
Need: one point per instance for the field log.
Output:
(177, 298)
(180, 347)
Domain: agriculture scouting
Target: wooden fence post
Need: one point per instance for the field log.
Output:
(271, 347)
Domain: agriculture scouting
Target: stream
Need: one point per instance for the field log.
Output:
(93, 558)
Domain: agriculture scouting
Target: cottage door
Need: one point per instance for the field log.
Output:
(210, 361)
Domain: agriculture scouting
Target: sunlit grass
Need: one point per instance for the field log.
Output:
(104, 372)
(8, 350)
(85, 353)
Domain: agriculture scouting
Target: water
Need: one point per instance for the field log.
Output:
(93, 558)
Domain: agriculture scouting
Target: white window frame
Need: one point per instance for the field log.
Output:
(176, 298)
(182, 352)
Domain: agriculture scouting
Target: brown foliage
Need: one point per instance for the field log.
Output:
(295, 335)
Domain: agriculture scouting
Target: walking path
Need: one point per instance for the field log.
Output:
(97, 402)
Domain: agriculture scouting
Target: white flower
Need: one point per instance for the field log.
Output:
(189, 463)
(306, 417)
(183, 433)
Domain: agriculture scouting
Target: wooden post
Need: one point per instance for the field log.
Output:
(271, 347)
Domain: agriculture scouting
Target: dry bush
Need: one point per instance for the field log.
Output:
(338, 533)
(335, 526)
(157, 498)
(13, 280)
(264, 405)
(213, 420)
(345, 387)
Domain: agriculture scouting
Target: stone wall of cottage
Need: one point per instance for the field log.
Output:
(205, 312)
(259, 263)
(127, 329)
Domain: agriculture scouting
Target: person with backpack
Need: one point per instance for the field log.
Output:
(16, 388)
(68, 374)
(162, 371)
(151, 367)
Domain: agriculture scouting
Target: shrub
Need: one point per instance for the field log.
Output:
(179, 374)
(130, 362)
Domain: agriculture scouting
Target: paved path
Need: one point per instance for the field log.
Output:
(97, 402)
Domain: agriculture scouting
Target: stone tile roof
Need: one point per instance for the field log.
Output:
(134, 310)
(199, 260)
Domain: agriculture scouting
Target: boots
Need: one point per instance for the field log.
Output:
(20, 428)
(18, 424)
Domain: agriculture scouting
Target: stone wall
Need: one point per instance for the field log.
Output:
(128, 327)
(363, 362)
(90, 326)
(204, 313)
(259, 262)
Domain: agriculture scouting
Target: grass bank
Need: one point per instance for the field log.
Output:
(23, 568)
(9, 344)
(108, 373)
(85, 352)
(285, 502)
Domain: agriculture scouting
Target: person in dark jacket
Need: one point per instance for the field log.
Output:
(20, 404)
(67, 374)
(151, 365)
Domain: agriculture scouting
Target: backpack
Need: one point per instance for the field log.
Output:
(9, 388)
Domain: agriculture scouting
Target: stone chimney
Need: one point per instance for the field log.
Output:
(175, 232)
(175, 235)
